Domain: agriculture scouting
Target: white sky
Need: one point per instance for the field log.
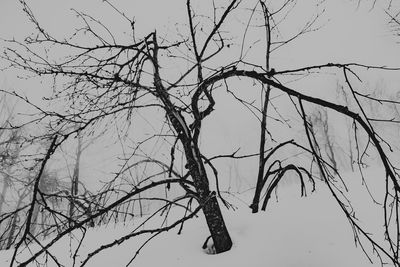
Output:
(349, 35)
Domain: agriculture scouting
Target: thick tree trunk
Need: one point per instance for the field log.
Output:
(216, 225)
(211, 209)
(208, 200)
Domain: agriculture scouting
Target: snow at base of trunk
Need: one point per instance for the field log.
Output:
(298, 232)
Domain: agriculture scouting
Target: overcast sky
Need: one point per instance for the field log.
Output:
(349, 34)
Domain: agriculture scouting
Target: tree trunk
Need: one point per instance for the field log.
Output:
(6, 184)
(261, 160)
(75, 179)
(211, 209)
(216, 225)
(208, 201)
(15, 220)
(34, 220)
(10, 239)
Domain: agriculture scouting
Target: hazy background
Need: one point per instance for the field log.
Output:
(348, 33)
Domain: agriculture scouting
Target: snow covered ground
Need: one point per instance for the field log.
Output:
(301, 232)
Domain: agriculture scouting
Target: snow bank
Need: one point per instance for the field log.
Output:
(301, 232)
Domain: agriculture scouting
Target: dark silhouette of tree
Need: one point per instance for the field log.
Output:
(107, 80)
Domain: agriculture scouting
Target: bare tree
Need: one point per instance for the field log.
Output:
(76, 182)
(10, 140)
(392, 10)
(320, 120)
(107, 81)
